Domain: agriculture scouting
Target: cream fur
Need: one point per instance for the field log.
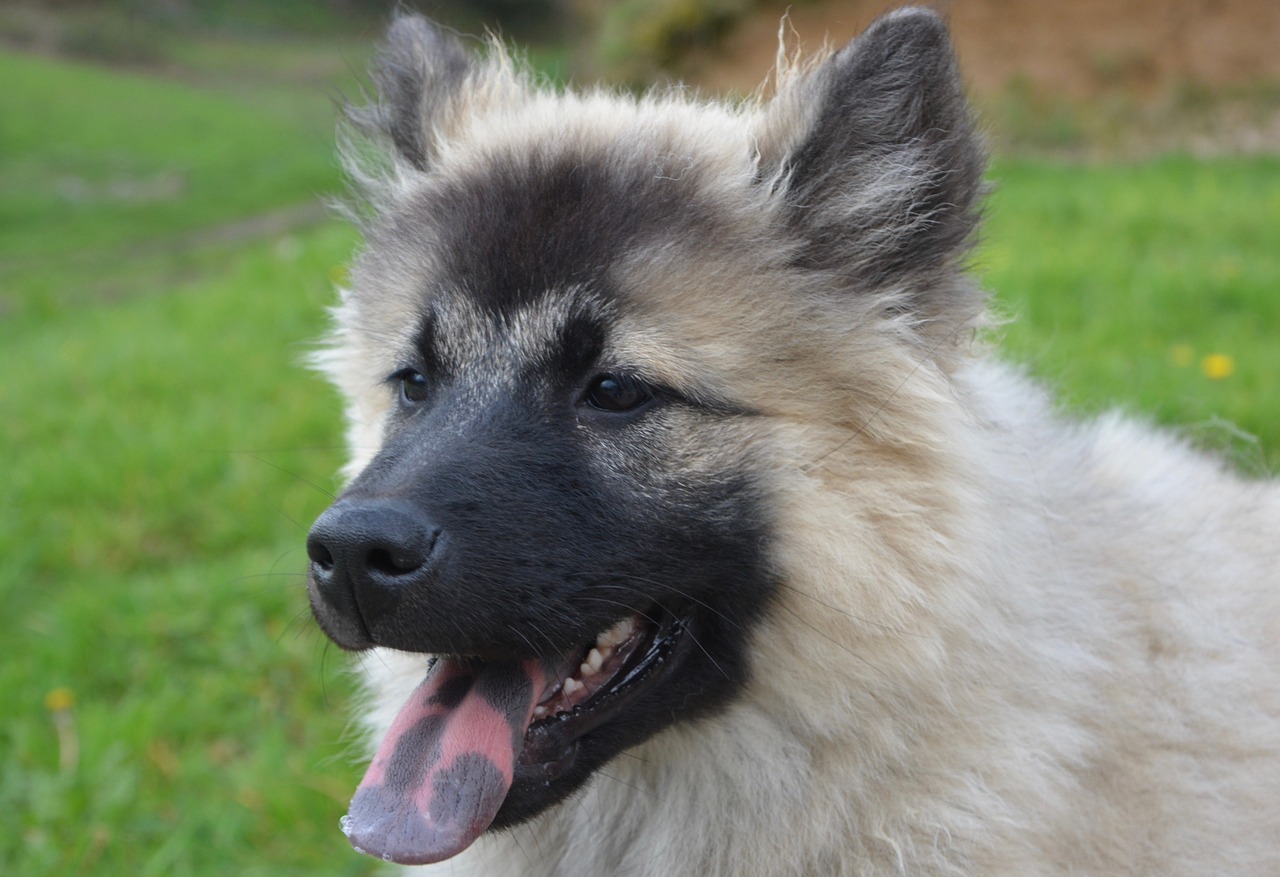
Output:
(1005, 644)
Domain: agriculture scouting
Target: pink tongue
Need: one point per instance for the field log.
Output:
(445, 766)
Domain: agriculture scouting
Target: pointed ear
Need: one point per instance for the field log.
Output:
(419, 72)
(873, 158)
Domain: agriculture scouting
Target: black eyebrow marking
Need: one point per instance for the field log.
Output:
(426, 345)
(579, 346)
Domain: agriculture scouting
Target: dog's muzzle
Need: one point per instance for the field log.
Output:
(367, 556)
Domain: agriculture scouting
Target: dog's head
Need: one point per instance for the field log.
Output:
(578, 328)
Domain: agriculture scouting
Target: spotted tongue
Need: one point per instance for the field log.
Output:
(445, 766)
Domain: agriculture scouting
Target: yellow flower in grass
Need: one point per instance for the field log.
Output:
(59, 700)
(1217, 366)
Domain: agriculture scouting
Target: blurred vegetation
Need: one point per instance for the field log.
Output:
(1188, 117)
(153, 32)
(642, 41)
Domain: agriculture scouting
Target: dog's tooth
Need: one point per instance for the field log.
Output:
(572, 686)
(595, 660)
(616, 634)
(540, 712)
(586, 670)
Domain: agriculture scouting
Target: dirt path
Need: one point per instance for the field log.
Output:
(1078, 48)
(263, 225)
(97, 276)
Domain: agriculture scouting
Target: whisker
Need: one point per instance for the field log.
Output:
(861, 619)
(680, 592)
(632, 786)
(654, 621)
(322, 491)
(871, 418)
(516, 840)
(298, 622)
(696, 642)
(844, 647)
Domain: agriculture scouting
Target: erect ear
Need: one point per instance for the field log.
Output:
(420, 75)
(873, 157)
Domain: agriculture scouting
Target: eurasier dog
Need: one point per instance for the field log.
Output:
(697, 533)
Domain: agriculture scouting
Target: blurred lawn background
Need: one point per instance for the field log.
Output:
(170, 707)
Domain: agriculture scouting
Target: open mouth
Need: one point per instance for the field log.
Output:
(622, 663)
(473, 728)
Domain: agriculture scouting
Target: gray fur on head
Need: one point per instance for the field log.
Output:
(867, 161)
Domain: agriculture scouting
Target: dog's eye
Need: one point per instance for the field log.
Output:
(613, 392)
(413, 385)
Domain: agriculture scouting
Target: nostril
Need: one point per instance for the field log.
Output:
(385, 562)
(372, 560)
(366, 556)
(320, 555)
(394, 560)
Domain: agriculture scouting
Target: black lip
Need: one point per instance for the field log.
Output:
(551, 744)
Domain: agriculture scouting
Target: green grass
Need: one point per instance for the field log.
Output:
(98, 168)
(164, 451)
(1122, 279)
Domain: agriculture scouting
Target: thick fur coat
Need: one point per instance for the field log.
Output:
(985, 639)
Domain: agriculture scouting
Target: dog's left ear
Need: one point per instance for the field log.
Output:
(873, 158)
(427, 85)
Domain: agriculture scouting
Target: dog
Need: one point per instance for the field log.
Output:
(696, 530)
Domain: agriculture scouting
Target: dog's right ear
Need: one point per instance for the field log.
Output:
(874, 159)
(421, 75)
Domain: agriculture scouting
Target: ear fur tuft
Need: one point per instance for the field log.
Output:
(419, 72)
(882, 173)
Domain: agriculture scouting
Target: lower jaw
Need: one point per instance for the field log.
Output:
(555, 762)
(538, 787)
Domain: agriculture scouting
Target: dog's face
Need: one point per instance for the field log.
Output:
(540, 479)
(573, 330)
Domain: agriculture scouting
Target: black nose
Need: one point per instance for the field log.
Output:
(366, 556)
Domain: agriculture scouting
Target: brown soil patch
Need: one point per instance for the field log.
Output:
(1073, 48)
